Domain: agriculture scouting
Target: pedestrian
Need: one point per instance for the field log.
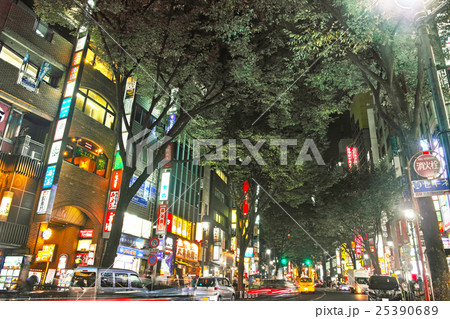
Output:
(235, 284)
(29, 284)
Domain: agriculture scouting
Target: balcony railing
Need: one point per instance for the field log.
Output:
(20, 164)
(13, 234)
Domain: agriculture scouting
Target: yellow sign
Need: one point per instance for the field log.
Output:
(46, 254)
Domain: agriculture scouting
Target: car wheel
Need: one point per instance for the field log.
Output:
(233, 298)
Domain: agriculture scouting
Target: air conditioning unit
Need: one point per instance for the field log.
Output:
(36, 155)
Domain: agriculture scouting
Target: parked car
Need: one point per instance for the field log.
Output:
(306, 284)
(214, 288)
(384, 288)
(275, 287)
(106, 283)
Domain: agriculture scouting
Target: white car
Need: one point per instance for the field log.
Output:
(214, 288)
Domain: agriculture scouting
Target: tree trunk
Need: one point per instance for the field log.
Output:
(241, 268)
(434, 249)
(324, 267)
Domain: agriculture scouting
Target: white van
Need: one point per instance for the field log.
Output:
(106, 283)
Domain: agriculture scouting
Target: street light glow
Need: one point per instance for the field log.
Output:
(268, 251)
(409, 214)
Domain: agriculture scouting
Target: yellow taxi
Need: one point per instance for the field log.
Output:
(306, 284)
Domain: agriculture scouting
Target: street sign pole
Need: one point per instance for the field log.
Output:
(416, 205)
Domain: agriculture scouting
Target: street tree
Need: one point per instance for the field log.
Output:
(189, 57)
(361, 46)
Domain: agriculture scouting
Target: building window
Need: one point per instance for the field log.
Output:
(98, 64)
(43, 30)
(96, 107)
(86, 155)
(222, 176)
(219, 195)
(11, 57)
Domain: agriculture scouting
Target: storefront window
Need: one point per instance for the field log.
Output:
(86, 155)
(96, 107)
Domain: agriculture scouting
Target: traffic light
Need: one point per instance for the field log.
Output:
(284, 261)
(307, 262)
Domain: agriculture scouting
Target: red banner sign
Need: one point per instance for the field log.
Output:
(161, 224)
(86, 233)
(113, 199)
(169, 222)
(109, 221)
(116, 179)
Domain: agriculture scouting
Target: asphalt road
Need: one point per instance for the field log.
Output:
(321, 294)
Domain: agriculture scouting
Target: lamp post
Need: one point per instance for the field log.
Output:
(413, 217)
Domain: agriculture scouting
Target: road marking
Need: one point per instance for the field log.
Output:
(324, 293)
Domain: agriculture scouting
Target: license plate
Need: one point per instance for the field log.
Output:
(205, 298)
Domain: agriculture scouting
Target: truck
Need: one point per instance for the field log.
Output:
(358, 281)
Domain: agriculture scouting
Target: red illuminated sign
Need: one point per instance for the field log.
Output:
(116, 179)
(77, 58)
(86, 233)
(108, 222)
(113, 199)
(73, 73)
(161, 224)
(169, 222)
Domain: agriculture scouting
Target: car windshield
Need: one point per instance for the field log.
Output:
(83, 279)
(305, 280)
(362, 281)
(206, 282)
(383, 282)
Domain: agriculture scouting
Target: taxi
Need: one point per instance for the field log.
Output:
(306, 284)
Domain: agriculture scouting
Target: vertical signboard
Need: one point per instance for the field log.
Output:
(161, 223)
(113, 195)
(61, 132)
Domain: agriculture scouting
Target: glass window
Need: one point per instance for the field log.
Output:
(206, 282)
(121, 280)
(83, 279)
(13, 127)
(90, 56)
(136, 282)
(97, 98)
(79, 104)
(107, 279)
(96, 107)
(95, 111)
(109, 121)
(10, 57)
(43, 30)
